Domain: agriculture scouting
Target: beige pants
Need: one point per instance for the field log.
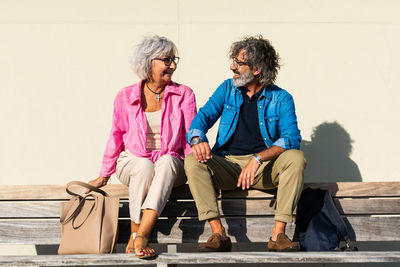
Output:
(284, 173)
(150, 185)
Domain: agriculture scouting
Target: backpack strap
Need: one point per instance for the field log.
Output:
(341, 225)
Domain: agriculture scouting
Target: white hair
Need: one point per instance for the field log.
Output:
(148, 49)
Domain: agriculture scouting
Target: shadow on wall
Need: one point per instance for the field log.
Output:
(328, 155)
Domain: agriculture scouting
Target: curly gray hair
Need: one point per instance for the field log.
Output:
(260, 54)
(149, 48)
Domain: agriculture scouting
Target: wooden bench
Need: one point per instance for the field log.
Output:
(29, 215)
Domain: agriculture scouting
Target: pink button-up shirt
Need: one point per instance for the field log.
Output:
(129, 125)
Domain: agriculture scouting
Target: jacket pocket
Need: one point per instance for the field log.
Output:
(228, 115)
(272, 123)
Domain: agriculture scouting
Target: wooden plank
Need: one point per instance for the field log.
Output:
(29, 209)
(360, 189)
(280, 257)
(203, 258)
(340, 189)
(173, 230)
(12, 192)
(55, 192)
(51, 209)
(353, 206)
(228, 207)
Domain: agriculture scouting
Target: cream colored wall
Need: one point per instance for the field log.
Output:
(62, 63)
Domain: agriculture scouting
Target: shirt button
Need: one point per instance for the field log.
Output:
(265, 138)
(261, 123)
(260, 106)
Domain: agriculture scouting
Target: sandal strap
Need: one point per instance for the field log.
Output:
(145, 240)
(133, 234)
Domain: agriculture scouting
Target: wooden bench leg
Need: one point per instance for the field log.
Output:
(171, 248)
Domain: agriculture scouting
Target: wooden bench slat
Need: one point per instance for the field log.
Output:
(51, 209)
(360, 189)
(228, 207)
(247, 216)
(340, 189)
(203, 258)
(376, 206)
(34, 192)
(40, 231)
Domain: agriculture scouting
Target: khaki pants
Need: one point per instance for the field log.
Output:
(284, 173)
(150, 185)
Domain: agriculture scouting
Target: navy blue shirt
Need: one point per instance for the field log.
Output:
(247, 137)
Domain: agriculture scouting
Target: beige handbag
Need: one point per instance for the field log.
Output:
(89, 222)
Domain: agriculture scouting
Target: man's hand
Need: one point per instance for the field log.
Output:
(98, 182)
(246, 177)
(202, 152)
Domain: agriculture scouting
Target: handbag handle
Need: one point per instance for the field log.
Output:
(77, 209)
(86, 185)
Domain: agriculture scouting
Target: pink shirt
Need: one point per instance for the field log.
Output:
(129, 125)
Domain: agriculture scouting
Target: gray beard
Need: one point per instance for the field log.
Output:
(243, 79)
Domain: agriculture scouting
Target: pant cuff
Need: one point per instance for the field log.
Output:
(208, 215)
(284, 218)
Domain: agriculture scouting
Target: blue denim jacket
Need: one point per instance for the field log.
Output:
(276, 113)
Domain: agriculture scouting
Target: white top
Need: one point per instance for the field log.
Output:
(153, 135)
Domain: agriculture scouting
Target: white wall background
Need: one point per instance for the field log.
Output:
(62, 63)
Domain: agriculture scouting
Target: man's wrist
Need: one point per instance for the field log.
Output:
(196, 140)
(258, 159)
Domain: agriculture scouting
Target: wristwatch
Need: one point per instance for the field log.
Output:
(195, 141)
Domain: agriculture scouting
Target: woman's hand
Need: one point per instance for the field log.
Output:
(98, 182)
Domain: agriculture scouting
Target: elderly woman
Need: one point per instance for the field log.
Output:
(147, 143)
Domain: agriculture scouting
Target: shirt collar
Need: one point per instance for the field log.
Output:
(255, 96)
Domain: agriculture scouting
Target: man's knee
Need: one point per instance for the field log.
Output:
(291, 165)
(190, 162)
(294, 159)
(193, 168)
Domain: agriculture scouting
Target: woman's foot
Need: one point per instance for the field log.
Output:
(129, 246)
(142, 250)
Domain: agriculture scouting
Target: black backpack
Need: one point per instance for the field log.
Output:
(319, 226)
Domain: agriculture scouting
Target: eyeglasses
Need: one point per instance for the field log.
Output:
(236, 63)
(168, 60)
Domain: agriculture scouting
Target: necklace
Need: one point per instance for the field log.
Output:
(158, 96)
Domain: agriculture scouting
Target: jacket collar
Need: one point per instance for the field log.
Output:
(170, 88)
(266, 91)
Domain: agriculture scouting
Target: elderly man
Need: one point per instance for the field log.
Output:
(256, 147)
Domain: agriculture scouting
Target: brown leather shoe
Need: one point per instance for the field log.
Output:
(216, 244)
(283, 243)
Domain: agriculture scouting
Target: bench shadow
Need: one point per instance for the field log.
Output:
(328, 161)
(237, 226)
(328, 155)
(184, 213)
